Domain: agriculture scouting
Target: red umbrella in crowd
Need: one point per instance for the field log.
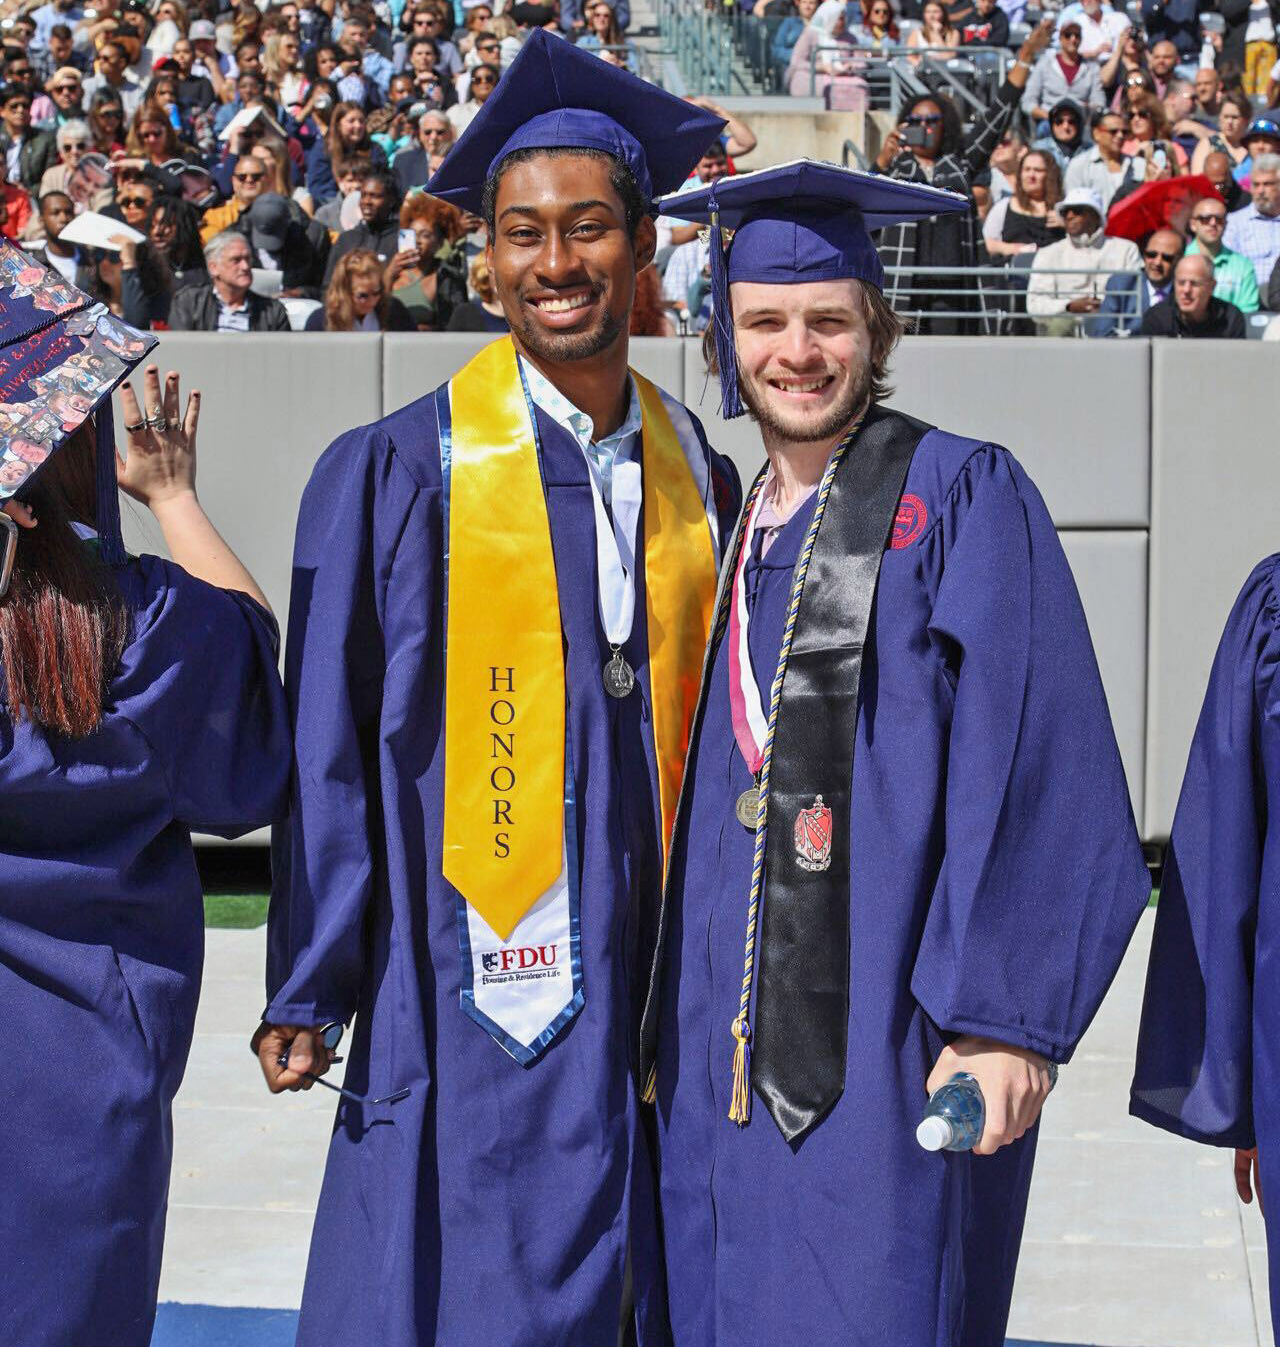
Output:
(1165, 204)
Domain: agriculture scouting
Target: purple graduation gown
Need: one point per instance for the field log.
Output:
(1208, 1065)
(102, 941)
(996, 880)
(497, 1203)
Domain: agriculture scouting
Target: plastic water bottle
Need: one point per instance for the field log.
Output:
(954, 1117)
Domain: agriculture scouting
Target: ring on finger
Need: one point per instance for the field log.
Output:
(136, 426)
(158, 422)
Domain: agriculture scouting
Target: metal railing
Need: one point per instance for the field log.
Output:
(992, 301)
(701, 42)
(969, 76)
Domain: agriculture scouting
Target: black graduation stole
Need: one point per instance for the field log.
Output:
(800, 1017)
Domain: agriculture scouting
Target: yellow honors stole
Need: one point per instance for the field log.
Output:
(510, 831)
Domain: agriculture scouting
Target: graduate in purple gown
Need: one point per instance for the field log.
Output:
(139, 699)
(905, 846)
(502, 594)
(1207, 1045)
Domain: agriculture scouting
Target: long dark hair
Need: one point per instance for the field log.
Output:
(952, 126)
(63, 623)
(186, 251)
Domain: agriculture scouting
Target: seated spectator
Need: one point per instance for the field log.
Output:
(152, 137)
(936, 31)
(1104, 168)
(73, 140)
(1254, 230)
(250, 92)
(68, 259)
(389, 126)
(1028, 220)
(1162, 60)
(1127, 298)
(62, 52)
(1150, 135)
(484, 80)
(1184, 126)
(274, 154)
(106, 122)
(113, 76)
(987, 26)
(1066, 133)
(1126, 64)
(17, 218)
(789, 31)
(484, 313)
(356, 299)
(1069, 278)
(878, 29)
(1217, 168)
(226, 304)
(1194, 310)
(1208, 91)
(429, 279)
(209, 62)
(997, 181)
(66, 98)
(146, 288)
(175, 236)
(1102, 26)
(361, 63)
(825, 53)
(379, 227)
(429, 21)
(136, 192)
(347, 137)
(248, 182)
(195, 91)
(282, 66)
(29, 152)
(1234, 114)
(602, 30)
(1061, 76)
(930, 145)
(412, 167)
(343, 210)
(285, 244)
(1234, 278)
(1261, 136)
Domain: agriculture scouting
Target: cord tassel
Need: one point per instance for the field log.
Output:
(650, 1095)
(740, 1098)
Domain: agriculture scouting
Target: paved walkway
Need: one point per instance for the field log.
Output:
(1134, 1239)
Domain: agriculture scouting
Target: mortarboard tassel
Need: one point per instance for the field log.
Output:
(110, 543)
(722, 317)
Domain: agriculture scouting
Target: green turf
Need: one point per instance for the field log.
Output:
(239, 911)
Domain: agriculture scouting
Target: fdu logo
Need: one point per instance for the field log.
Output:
(520, 959)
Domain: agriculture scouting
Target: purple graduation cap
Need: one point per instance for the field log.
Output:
(61, 356)
(798, 222)
(556, 95)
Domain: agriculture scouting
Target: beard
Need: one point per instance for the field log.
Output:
(802, 427)
(564, 347)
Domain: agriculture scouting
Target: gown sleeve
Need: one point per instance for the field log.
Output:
(326, 855)
(199, 682)
(1194, 1073)
(1043, 879)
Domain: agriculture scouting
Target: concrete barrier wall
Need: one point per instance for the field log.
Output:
(1155, 461)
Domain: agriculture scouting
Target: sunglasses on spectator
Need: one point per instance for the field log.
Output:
(155, 133)
(142, 202)
(78, 145)
(487, 46)
(70, 88)
(248, 177)
(362, 295)
(434, 131)
(20, 70)
(931, 119)
(1134, 80)
(1213, 217)
(1113, 130)
(482, 79)
(1152, 253)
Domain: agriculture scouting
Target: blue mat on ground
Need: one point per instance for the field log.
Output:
(222, 1326)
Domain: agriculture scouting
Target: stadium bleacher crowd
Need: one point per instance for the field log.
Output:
(235, 166)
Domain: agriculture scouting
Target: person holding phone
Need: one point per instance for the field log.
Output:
(929, 145)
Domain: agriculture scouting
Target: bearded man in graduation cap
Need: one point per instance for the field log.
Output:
(904, 847)
(502, 595)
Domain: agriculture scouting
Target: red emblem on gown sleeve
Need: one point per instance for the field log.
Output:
(813, 836)
(909, 522)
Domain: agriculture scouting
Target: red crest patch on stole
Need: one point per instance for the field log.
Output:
(909, 522)
(813, 836)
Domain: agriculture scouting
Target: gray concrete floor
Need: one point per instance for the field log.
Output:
(1134, 1238)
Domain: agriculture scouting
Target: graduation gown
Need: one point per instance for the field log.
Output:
(1208, 1064)
(996, 879)
(497, 1203)
(102, 941)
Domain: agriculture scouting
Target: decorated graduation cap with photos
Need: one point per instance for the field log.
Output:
(797, 222)
(61, 357)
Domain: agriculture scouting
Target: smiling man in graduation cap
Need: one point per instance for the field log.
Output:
(502, 596)
(904, 847)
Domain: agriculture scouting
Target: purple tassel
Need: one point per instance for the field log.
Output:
(110, 542)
